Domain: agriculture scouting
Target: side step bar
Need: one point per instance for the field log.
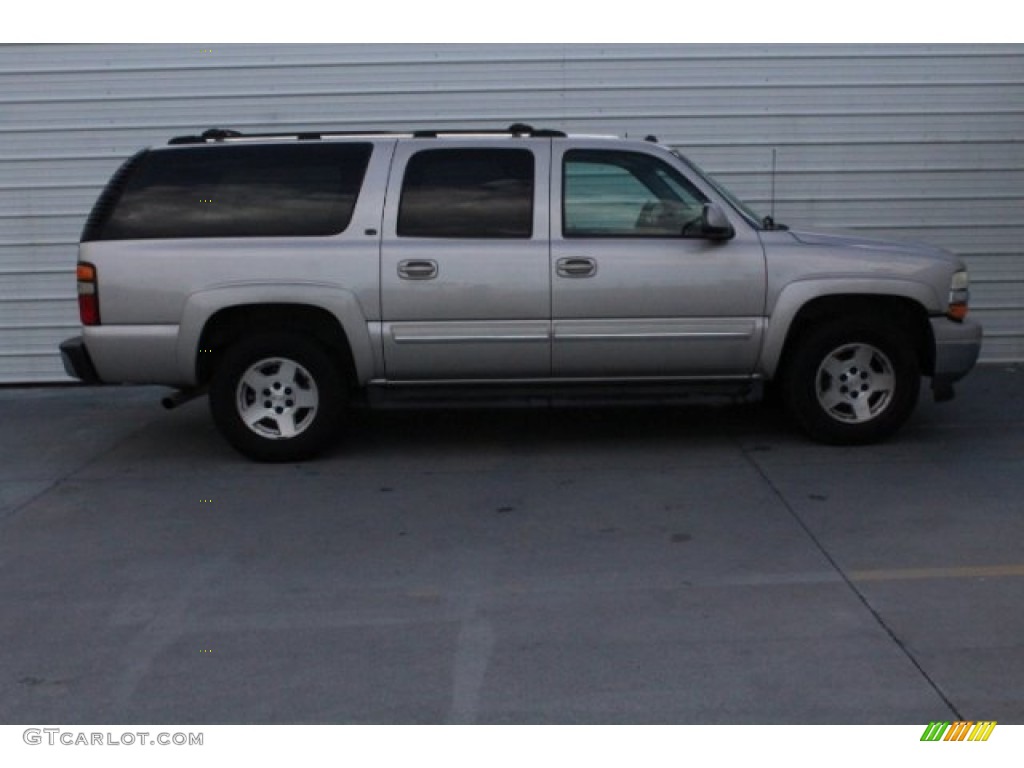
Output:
(585, 395)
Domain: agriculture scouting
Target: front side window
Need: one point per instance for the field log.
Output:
(608, 193)
(233, 191)
(471, 193)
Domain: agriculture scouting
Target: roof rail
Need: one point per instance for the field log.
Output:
(516, 129)
(220, 134)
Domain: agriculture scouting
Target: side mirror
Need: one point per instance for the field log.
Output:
(714, 224)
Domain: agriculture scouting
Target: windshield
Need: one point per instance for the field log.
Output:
(749, 213)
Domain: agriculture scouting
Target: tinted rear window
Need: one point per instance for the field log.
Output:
(232, 191)
(468, 193)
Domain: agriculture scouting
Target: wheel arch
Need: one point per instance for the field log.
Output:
(230, 324)
(214, 319)
(791, 322)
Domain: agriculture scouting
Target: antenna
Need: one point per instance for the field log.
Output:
(772, 213)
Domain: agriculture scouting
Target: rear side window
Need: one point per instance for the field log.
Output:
(468, 193)
(232, 191)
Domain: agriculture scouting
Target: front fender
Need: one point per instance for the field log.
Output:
(796, 295)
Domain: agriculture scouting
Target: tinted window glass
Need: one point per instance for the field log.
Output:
(625, 194)
(468, 193)
(234, 191)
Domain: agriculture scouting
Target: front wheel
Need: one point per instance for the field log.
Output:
(851, 383)
(277, 397)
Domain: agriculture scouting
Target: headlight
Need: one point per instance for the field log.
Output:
(959, 295)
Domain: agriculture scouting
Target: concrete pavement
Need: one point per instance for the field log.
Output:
(692, 565)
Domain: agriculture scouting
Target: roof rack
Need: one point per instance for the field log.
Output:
(516, 129)
(223, 134)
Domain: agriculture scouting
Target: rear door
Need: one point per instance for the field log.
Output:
(465, 284)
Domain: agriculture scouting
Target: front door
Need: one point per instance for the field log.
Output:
(636, 292)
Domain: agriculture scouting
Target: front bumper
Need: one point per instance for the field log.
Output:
(957, 346)
(77, 362)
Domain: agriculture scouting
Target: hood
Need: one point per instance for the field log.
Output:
(859, 242)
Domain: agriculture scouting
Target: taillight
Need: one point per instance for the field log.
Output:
(88, 299)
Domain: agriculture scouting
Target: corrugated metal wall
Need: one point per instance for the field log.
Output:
(919, 142)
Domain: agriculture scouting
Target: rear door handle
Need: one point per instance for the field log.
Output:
(417, 269)
(576, 267)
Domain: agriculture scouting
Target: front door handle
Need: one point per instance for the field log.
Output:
(576, 267)
(417, 269)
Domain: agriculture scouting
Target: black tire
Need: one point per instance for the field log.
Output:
(852, 382)
(277, 397)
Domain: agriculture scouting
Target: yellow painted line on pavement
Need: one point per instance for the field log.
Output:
(965, 572)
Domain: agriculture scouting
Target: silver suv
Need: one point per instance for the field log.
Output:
(290, 275)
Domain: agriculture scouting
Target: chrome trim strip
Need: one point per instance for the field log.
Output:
(696, 336)
(417, 339)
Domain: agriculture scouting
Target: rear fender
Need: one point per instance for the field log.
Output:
(342, 304)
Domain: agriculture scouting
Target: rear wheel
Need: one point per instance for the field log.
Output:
(852, 382)
(277, 397)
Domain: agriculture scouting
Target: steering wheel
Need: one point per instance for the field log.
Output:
(647, 218)
(690, 224)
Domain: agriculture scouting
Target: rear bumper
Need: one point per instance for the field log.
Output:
(77, 362)
(957, 346)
